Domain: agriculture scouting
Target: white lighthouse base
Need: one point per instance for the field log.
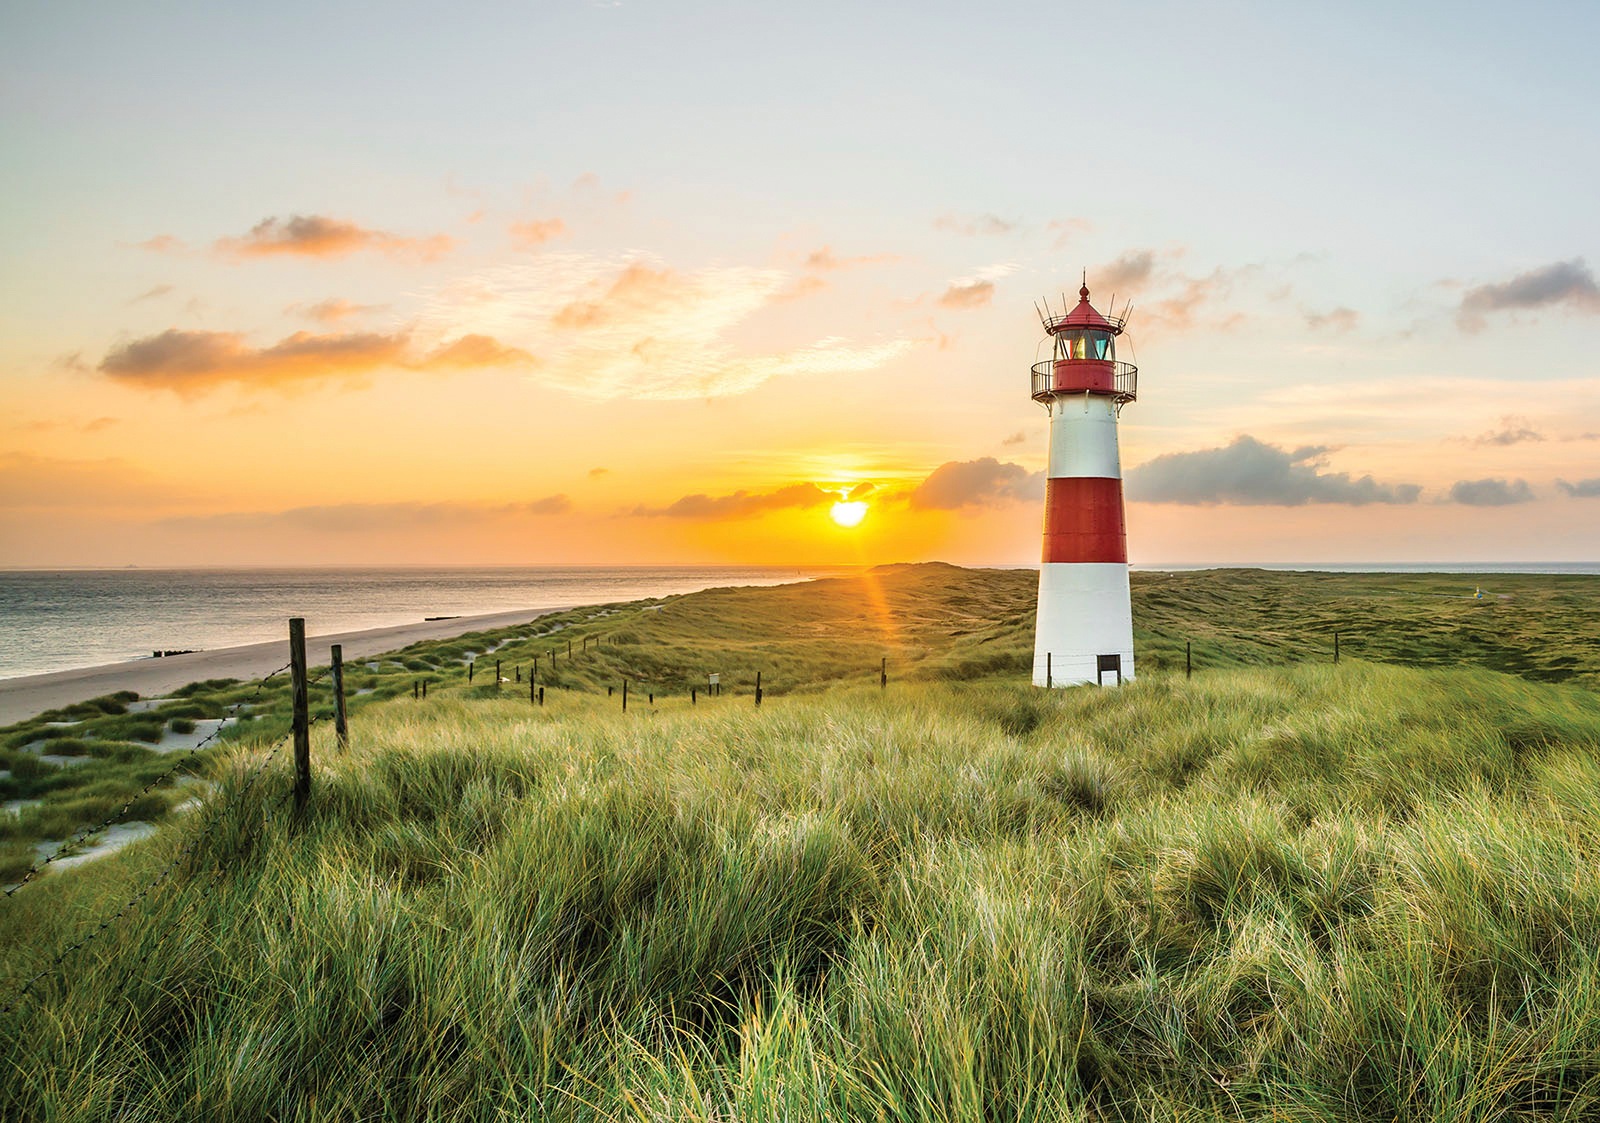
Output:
(1085, 612)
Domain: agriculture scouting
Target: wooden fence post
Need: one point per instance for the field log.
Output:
(541, 696)
(416, 689)
(569, 649)
(1047, 670)
(497, 674)
(624, 695)
(472, 665)
(758, 688)
(302, 712)
(693, 697)
(883, 674)
(341, 724)
(1188, 659)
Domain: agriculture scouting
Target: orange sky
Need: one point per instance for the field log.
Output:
(263, 311)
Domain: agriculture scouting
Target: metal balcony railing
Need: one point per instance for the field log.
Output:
(1124, 382)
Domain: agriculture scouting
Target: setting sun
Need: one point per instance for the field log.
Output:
(849, 514)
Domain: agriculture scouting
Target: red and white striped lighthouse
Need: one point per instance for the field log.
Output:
(1084, 629)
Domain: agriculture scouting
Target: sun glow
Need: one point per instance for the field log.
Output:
(848, 514)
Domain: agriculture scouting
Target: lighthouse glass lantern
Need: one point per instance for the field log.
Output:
(1084, 629)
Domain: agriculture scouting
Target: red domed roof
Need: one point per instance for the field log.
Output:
(1083, 316)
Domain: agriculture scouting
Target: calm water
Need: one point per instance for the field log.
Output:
(61, 619)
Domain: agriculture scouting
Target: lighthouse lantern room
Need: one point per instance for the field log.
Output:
(1084, 629)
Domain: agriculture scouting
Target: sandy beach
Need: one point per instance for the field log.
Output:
(27, 695)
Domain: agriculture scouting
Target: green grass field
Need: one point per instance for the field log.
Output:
(1280, 890)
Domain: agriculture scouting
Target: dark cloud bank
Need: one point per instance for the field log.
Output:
(1249, 472)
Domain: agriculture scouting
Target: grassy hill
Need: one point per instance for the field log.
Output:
(1278, 890)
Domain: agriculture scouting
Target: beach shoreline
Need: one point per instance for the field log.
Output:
(25, 696)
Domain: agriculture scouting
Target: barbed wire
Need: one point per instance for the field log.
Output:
(162, 875)
(86, 833)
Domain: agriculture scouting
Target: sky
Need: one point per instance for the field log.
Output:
(667, 283)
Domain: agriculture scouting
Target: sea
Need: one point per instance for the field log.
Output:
(57, 620)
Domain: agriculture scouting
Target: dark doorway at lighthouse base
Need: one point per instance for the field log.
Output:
(1107, 663)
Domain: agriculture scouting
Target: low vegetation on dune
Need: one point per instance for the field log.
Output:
(1282, 889)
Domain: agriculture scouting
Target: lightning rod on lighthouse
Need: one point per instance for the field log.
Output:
(1084, 629)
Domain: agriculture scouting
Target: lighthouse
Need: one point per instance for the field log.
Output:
(1084, 629)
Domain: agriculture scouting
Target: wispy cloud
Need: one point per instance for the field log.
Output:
(318, 236)
(1512, 431)
(607, 327)
(1127, 274)
(162, 243)
(1569, 283)
(978, 294)
(366, 518)
(1491, 492)
(535, 232)
(1340, 319)
(1251, 473)
(825, 260)
(1067, 230)
(742, 504)
(985, 482)
(332, 311)
(190, 361)
(975, 226)
(154, 293)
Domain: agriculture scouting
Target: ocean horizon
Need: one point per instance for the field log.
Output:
(65, 619)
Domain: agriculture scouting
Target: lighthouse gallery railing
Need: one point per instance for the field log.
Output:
(1125, 381)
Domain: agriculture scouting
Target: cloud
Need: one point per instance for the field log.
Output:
(1562, 282)
(742, 504)
(189, 361)
(1128, 272)
(801, 288)
(162, 243)
(633, 327)
(860, 491)
(825, 260)
(1340, 319)
(536, 232)
(974, 226)
(151, 294)
(321, 237)
(978, 294)
(365, 518)
(1067, 230)
(985, 482)
(1491, 492)
(1512, 431)
(332, 311)
(1583, 489)
(1251, 473)
(596, 473)
(1017, 438)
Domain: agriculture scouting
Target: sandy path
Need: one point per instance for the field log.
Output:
(27, 695)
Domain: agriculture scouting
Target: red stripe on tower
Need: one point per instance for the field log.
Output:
(1083, 520)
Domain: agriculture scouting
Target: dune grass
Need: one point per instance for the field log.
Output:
(1298, 892)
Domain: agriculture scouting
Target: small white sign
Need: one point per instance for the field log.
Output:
(712, 680)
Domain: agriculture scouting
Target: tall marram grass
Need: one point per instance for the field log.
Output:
(1295, 894)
